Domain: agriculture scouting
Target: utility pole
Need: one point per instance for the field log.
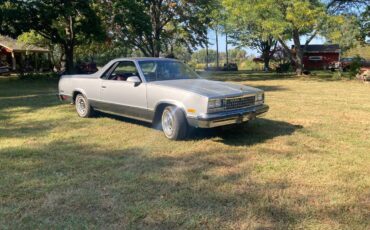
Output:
(217, 57)
(227, 52)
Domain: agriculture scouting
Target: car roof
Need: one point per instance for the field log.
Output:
(134, 59)
(145, 59)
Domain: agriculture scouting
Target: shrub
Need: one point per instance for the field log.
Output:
(200, 66)
(355, 67)
(33, 76)
(250, 65)
(337, 75)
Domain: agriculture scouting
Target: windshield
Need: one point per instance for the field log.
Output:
(163, 70)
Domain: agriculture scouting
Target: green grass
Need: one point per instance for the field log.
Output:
(304, 165)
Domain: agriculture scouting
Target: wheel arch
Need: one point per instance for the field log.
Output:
(76, 92)
(162, 105)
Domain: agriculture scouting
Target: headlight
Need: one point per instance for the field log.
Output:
(260, 97)
(214, 103)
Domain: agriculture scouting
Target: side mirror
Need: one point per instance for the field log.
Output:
(134, 79)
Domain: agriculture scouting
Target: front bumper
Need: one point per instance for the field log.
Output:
(227, 117)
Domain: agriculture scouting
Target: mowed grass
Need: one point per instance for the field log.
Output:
(305, 165)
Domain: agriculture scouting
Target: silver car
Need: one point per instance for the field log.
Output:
(162, 91)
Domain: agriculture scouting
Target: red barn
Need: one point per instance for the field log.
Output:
(318, 57)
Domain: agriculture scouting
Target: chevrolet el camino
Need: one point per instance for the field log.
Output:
(162, 91)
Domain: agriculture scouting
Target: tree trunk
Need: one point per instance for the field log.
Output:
(157, 46)
(68, 50)
(287, 49)
(69, 45)
(298, 53)
(266, 61)
(156, 27)
(266, 56)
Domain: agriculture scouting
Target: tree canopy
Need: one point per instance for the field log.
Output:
(68, 23)
(84, 28)
(151, 24)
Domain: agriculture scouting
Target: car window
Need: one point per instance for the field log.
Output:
(161, 70)
(148, 67)
(123, 70)
(109, 71)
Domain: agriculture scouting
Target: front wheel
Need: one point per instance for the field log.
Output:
(83, 107)
(174, 124)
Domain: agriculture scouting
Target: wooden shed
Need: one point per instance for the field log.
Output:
(23, 57)
(320, 56)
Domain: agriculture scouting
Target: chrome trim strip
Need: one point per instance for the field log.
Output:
(227, 117)
(124, 115)
(235, 112)
(224, 109)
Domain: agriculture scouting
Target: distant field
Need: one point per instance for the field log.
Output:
(305, 165)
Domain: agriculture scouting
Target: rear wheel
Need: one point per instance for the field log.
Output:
(83, 107)
(174, 124)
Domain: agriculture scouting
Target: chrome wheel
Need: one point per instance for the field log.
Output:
(81, 105)
(174, 123)
(168, 123)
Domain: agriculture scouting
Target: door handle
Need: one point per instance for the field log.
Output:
(103, 86)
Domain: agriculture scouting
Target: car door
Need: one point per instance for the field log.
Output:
(122, 97)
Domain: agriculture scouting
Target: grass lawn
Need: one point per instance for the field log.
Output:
(306, 164)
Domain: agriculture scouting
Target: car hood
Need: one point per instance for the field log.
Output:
(211, 89)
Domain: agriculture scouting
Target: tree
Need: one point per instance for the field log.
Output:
(343, 30)
(181, 52)
(148, 24)
(218, 25)
(200, 56)
(360, 50)
(247, 31)
(345, 6)
(67, 22)
(365, 25)
(237, 54)
(101, 52)
(284, 20)
(254, 38)
(353, 8)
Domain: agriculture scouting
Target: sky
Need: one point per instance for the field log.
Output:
(222, 43)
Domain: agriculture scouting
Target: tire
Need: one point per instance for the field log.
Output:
(174, 124)
(83, 107)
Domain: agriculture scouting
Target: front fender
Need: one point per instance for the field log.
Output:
(170, 102)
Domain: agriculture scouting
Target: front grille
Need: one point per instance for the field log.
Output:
(239, 102)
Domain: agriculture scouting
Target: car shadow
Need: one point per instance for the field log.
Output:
(256, 131)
